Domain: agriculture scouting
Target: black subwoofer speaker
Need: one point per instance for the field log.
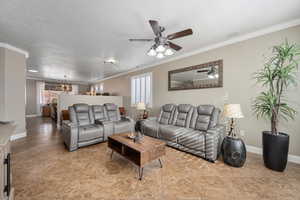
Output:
(234, 151)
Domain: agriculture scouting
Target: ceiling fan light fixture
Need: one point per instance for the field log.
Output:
(160, 55)
(213, 73)
(162, 44)
(169, 52)
(110, 61)
(151, 52)
(160, 48)
(211, 76)
(33, 70)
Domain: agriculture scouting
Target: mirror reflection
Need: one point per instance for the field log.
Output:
(201, 76)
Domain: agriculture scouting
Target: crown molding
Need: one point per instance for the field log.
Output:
(16, 49)
(237, 39)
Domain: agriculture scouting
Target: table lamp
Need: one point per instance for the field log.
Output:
(141, 107)
(233, 111)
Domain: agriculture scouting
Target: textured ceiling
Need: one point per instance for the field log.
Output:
(74, 37)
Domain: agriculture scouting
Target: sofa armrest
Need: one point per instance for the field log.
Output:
(108, 128)
(70, 134)
(218, 129)
(214, 139)
(68, 123)
(127, 118)
(151, 119)
(103, 123)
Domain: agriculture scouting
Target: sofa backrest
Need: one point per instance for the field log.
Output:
(99, 112)
(166, 114)
(80, 114)
(182, 115)
(113, 112)
(204, 117)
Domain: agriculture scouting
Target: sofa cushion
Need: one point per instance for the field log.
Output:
(89, 132)
(150, 128)
(171, 132)
(111, 106)
(214, 118)
(83, 118)
(113, 112)
(81, 107)
(193, 139)
(81, 111)
(166, 114)
(99, 113)
(183, 114)
(202, 117)
(72, 114)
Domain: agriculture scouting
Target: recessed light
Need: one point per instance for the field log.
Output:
(33, 70)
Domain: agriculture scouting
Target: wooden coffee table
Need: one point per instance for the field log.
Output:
(147, 150)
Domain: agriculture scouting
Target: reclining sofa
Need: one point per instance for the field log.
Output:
(92, 124)
(188, 128)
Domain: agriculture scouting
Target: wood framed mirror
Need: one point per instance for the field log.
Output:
(207, 75)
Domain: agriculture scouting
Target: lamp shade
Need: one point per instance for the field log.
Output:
(141, 106)
(233, 111)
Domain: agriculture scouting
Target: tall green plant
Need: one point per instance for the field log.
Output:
(278, 73)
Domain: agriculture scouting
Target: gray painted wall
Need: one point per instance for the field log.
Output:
(31, 97)
(2, 84)
(13, 83)
(240, 61)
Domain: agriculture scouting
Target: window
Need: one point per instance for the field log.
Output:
(141, 89)
(98, 88)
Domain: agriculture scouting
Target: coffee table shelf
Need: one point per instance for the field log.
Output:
(140, 154)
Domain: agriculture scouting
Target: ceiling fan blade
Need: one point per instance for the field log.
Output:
(180, 34)
(140, 40)
(201, 71)
(174, 46)
(155, 27)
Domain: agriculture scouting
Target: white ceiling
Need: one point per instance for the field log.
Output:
(74, 37)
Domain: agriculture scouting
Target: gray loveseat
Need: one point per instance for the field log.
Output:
(188, 128)
(92, 124)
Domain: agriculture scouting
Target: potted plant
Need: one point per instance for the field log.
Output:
(277, 75)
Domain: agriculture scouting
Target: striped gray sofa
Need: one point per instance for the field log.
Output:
(188, 128)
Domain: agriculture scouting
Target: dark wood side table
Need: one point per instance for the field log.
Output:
(140, 154)
(46, 111)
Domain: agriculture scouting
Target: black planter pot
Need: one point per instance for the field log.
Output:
(234, 151)
(275, 150)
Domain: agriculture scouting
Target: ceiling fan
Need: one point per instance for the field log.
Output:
(162, 45)
(211, 73)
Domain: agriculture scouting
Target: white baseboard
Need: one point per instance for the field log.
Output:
(257, 150)
(18, 136)
(254, 149)
(34, 115)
